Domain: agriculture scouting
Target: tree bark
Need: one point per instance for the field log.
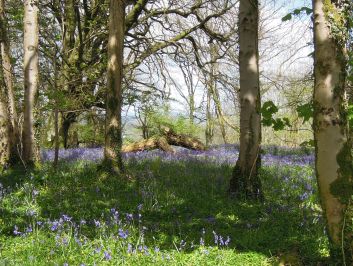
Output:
(332, 147)
(31, 75)
(56, 116)
(113, 124)
(245, 182)
(68, 72)
(209, 121)
(14, 156)
(215, 92)
(4, 131)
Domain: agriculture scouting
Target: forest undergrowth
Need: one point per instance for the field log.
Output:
(164, 212)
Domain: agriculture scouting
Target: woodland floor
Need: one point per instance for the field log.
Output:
(173, 210)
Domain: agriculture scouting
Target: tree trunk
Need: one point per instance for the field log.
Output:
(8, 76)
(70, 57)
(113, 124)
(245, 182)
(56, 116)
(333, 150)
(4, 131)
(31, 75)
(209, 120)
(215, 92)
(67, 120)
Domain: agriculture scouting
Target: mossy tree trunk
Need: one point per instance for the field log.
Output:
(245, 182)
(333, 150)
(31, 76)
(113, 123)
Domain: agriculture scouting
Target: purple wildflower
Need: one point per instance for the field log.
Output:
(107, 255)
(123, 234)
(16, 232)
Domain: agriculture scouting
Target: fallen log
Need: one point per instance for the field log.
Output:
(149, 144)
(163, 142)
(182, 140)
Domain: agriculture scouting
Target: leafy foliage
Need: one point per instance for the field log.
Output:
(163, 117)
(305, 111)
(268, 110)
(297, 12)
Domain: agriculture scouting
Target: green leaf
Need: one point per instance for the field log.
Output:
(278, 124)
(287, 17)
(297, 11)
(305, 111)
(268, 109)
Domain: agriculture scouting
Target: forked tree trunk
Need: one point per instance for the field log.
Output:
(245, 182)
(113, 124)
(31, 33)
(8, 76)
(333, 150)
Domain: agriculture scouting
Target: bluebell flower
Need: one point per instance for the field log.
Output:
(107, 255)
(123, 234)
(129, 217)
(55, 225)
(66, 218)
(97, 223)
(226, 243)
(129, 248)
(16, 232)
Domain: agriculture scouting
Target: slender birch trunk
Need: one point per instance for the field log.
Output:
(245, 181)
(333, 150)
(31, 76)
(209, 120)
(8, 78)
(56, 116)
(113, 124)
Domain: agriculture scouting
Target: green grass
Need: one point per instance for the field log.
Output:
(179, 202)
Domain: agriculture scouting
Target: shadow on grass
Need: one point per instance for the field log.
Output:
(179, 200)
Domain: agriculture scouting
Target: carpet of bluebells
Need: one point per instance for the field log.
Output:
(170, 209)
